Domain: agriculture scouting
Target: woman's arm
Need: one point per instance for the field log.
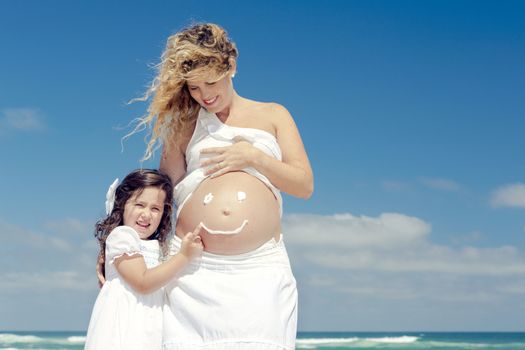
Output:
(292, 175)
(134, 271)
(173, 162)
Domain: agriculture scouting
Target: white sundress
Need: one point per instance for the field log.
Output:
(233, 302)
(230, 302)
(123, 318)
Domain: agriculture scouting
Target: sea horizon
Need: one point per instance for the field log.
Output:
(318, 340)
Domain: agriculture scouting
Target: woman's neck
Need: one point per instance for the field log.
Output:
(230, 109)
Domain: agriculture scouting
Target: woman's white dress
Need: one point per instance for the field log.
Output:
(230, 302)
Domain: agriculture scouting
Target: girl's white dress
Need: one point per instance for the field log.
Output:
(123, 318)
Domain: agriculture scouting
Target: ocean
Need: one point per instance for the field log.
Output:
(308, 340)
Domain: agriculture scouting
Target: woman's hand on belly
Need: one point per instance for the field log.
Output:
(236, 157)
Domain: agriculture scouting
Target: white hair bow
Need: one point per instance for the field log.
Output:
(110, 196)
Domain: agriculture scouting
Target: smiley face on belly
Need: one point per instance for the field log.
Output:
(237, 211)
(208, 198)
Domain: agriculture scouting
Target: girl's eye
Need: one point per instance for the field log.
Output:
(156, 210)
(140, 205)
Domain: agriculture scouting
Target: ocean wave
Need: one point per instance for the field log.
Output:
(323, 341)
(471, 345)
(76, 339)
(402, 342)
(405, 339)
(8, 338)
(312, 343)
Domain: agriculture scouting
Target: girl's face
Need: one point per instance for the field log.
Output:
(212, 94)
(144, 212)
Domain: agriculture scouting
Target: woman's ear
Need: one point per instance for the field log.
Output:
(233, 69)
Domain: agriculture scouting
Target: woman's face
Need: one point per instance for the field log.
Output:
(214, 94)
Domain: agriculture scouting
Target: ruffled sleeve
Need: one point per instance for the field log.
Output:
(122, 240)
(173, 247)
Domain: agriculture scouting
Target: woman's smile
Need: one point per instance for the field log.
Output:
(209, 102)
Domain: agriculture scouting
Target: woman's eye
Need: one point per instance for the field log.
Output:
(213, 83)
(192, 88)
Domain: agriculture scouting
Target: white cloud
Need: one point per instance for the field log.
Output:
(69, 226)
(516, 287)
(392, 243)
(395, 186)
(440, 184)
(403, 292)
(431, 259)
(24, 119)
(512, 195)
(47, 281)
(380, 267)
(348, 231)
(45, 260)
(468, 238)
(28, 239)
(358, 262)
(387, 263)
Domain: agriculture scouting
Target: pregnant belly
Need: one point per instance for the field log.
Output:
(238, 211)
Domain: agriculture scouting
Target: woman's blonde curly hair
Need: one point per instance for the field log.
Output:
(189, 54)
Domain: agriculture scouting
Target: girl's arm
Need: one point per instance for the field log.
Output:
(134, 271)
(292, 175)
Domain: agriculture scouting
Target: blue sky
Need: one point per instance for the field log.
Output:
(412, 113)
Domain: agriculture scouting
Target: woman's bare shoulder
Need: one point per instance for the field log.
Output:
(269, 110)
(268, 116)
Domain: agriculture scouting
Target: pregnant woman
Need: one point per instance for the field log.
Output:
(229, 157)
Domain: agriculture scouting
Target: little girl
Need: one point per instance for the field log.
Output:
(128, 310)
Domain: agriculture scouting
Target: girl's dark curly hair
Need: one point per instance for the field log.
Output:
(133, 185)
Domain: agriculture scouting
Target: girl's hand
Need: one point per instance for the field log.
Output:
(236, 157)
(192, 246)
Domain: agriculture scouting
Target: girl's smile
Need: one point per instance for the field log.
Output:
(143, 212)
